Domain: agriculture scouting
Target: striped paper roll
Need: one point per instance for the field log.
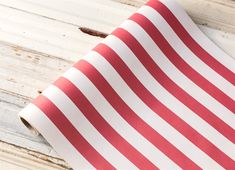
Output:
(155, 94)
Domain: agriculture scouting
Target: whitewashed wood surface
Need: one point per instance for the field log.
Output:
(40, 39)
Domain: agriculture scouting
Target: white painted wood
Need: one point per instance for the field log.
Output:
(23, 74)
(104, 15)
(44, 35)
(12, 157)
(40, 40)
(11, 128)
(22, 71)
(89, 13)
(52, 37)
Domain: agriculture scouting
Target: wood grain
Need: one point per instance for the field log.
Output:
(105, 15)
(40, 40)
(12, 157)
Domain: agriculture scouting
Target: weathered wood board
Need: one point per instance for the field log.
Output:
(40, 40)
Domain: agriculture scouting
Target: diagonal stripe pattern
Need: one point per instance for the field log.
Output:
(155, 94)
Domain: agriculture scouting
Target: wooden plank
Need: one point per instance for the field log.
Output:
(102, 15)
(23, 75)
(59, 39)
(45, 35)
(12, 157)
(26, 72)
(105, 15)
(11, 128)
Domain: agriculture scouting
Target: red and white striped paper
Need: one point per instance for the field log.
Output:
(155, 94)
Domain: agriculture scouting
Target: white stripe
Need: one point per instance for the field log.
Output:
(150, 117)
(86, 129)
(117, 122)
(175, 75)
(185, 53)
(63, 147)
(198, 36)
(170, 101)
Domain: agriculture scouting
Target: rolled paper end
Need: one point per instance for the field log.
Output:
(30, 127)
(24, 117)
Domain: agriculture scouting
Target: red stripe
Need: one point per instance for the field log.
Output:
(172, 87)
(167, 83)
(130, 116)
(70, 132)
(101, 125)
(190, 42)
(211, 118)
(185, 68)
